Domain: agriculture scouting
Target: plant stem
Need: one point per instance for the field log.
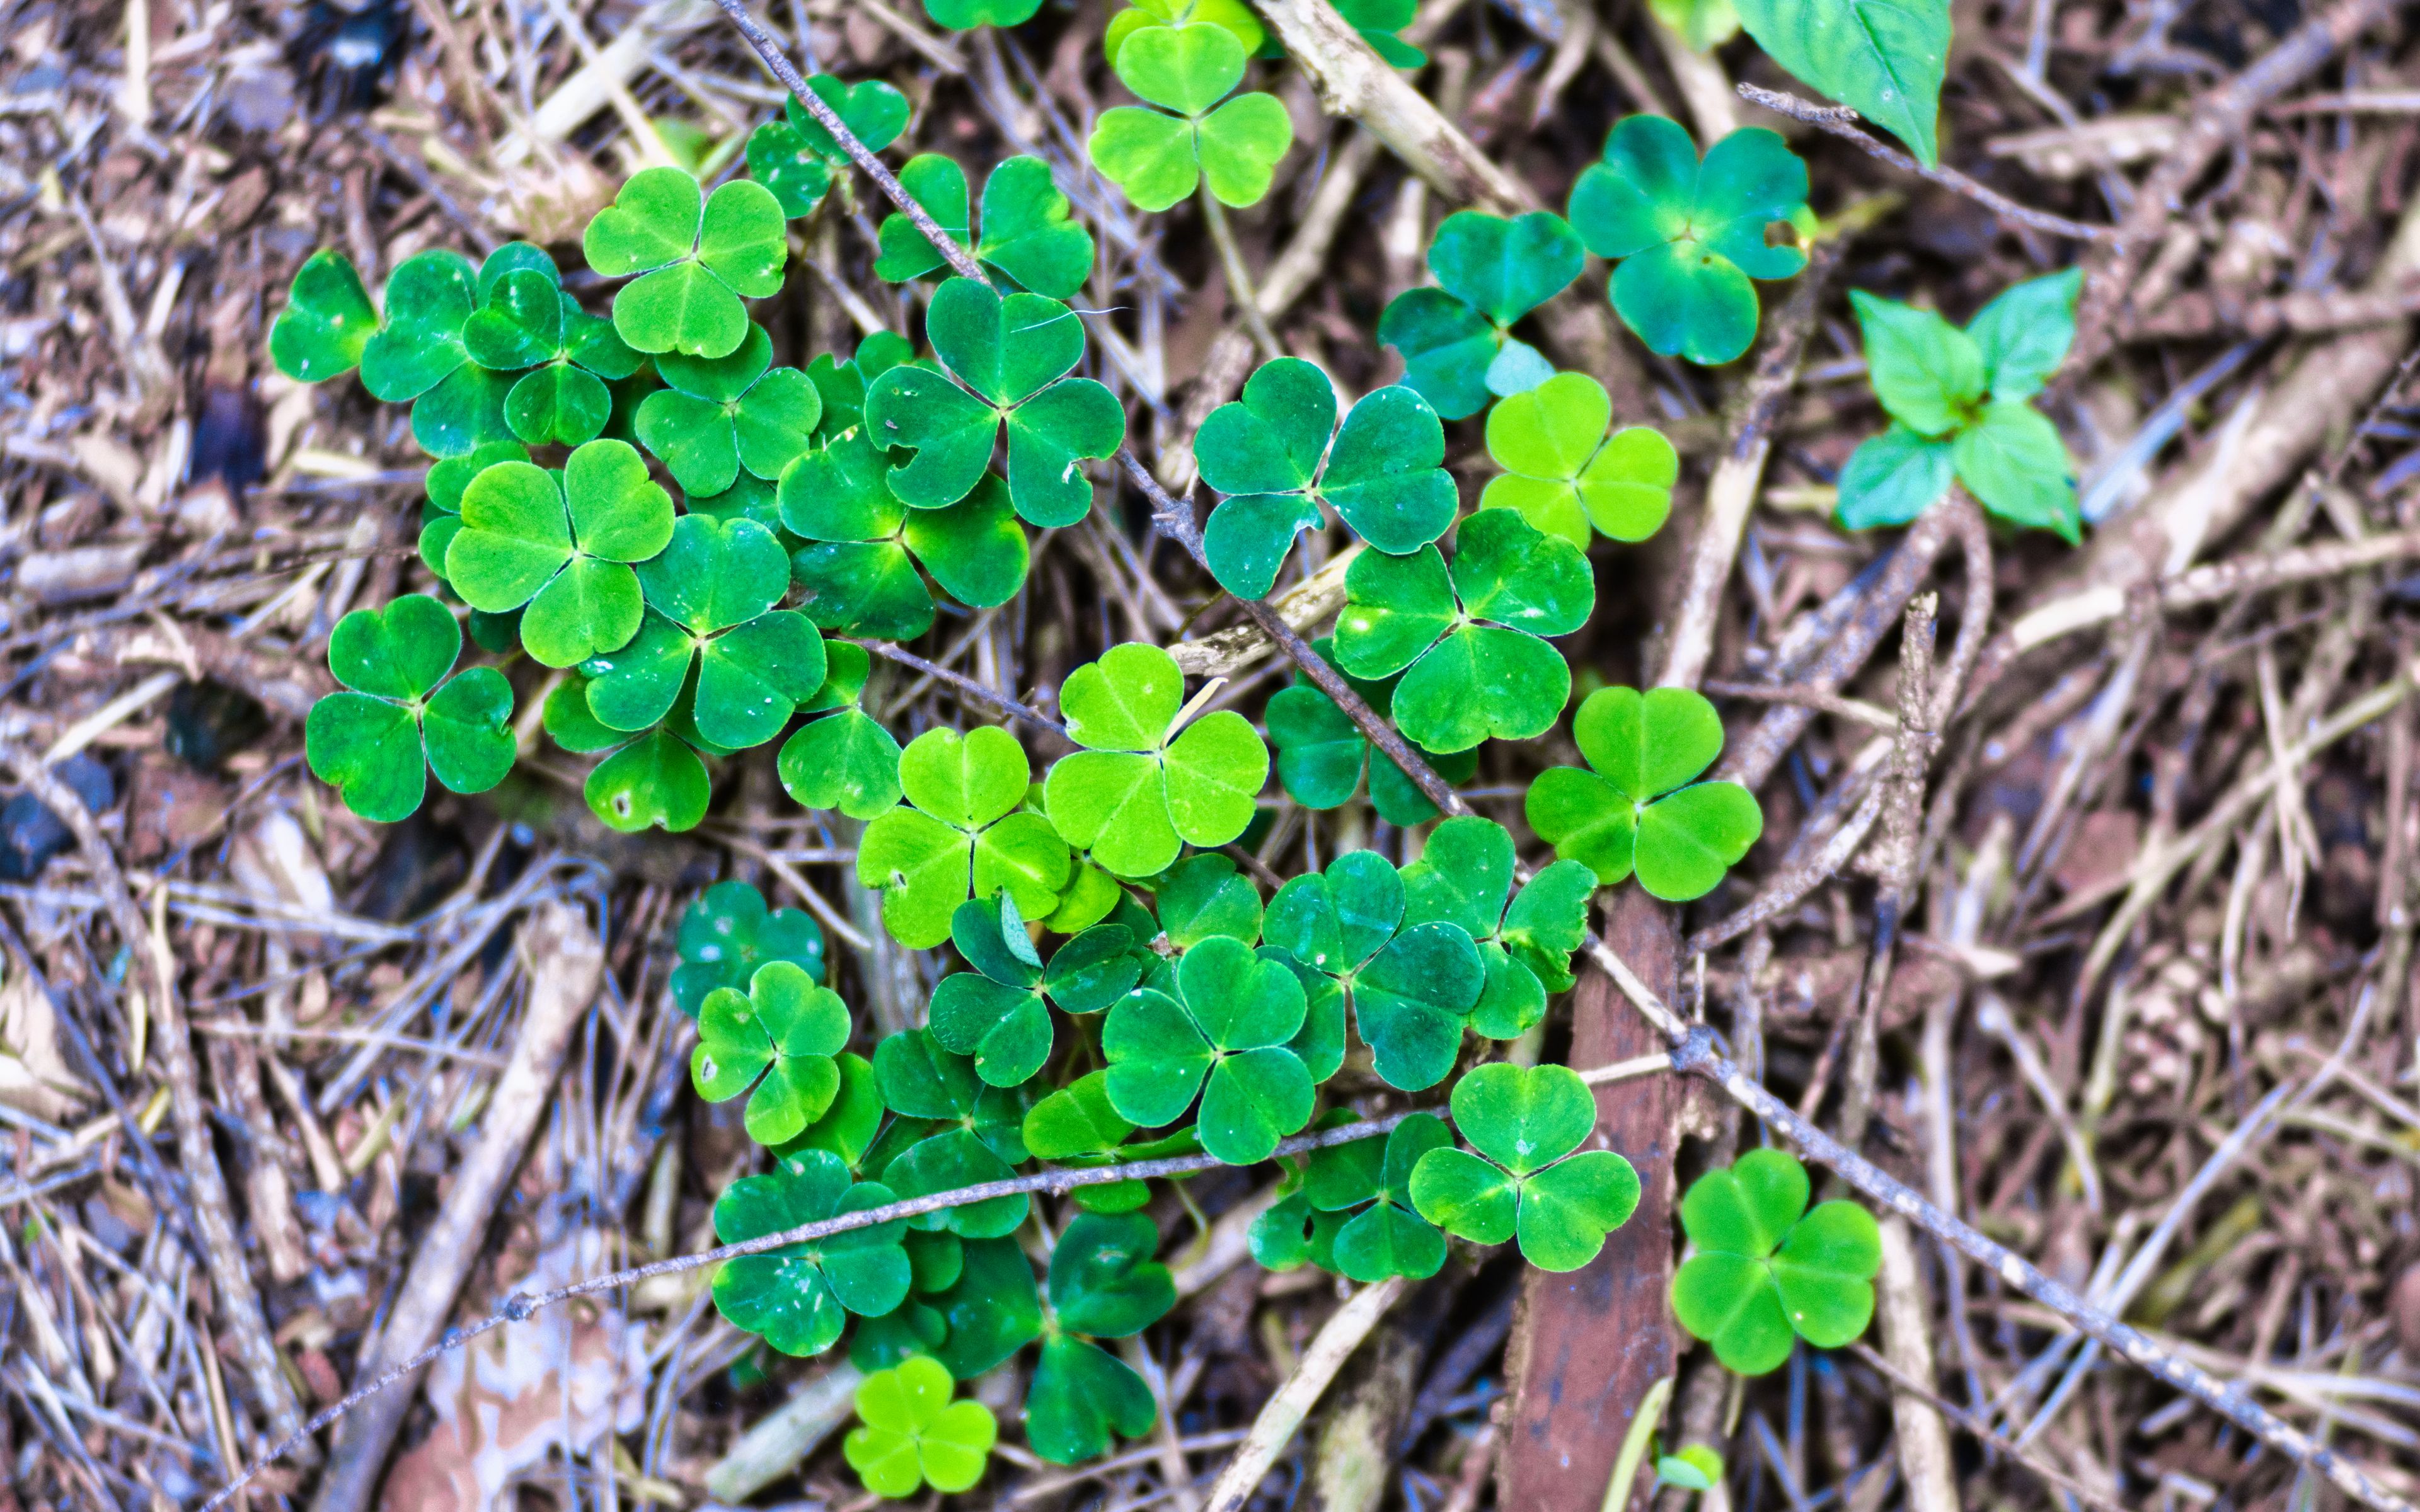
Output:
(1241, 291)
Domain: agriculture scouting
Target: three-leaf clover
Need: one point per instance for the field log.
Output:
(1385, 1236)
(1465, 877)
(1526, 1181)
(1885, 59)
(728, 932)
(914, 1435)
(1006, 362)
(1761, 1271)
(1412, 989)
(402, 716)
(327, 321)
(858, 567)
(966, 1132)
(717, 415)
(843, 759)
(1689, 235)
(961, 834)
(799, 1297)
(997, 1013)
(794, 157)
(1958, 404)
(1458, 351)
(1277, 454)
(1220, 1031)
(710, 627)
(779, 1038)
(417, 352)
(1233, 15)
(1103, 1283)
(1467, 639)
(1147, 782)
(698, 257)
(1159, 157)
(1029, 232)
(1322, 754)
(1564, 473)
(1642, 806)
(527, 321)
(561, 547)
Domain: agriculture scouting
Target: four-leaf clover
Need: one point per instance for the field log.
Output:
(1642, 807)
(1220, 1031)
(1761, 1271)
(914, 1435)
(561, 547)
(1457, 348)
(1564, 473)
(1029, 230)
(717, 415)
(1159, 157)
(1689, 235)
(961, 833)
(1145, 782)
(1271, 453)
(778, 1037)
(1958, 404)
(402, 716)
(1526, 1122)
(698, 257)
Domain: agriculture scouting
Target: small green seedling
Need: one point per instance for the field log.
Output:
(710, 629)
(728, 932)
(1322, 754)
(403, 716)
(794, 157)
(1103, 1283)
(1006, 362)
(717, 415)
(1689, 235)
(1465, 877)
(1882, 59)
(961, 833)
(1564, 473)
(1693, 1467)
(1221, 1031)
(1412, 989)
(999, 1013)
(1159, 157)
(840, 758)
(698, 257)
(914, 1435)
(859, 568)
(1642, 807)
(1766, 1269)
(1278, 455)
(1028, 231)
(527, 321)
(1458, 350)
(1527, 1182)
(777, 1038)
(1467, 639)
(562, 544)
(1148, 779)
(799, 1297)
(1958, 402)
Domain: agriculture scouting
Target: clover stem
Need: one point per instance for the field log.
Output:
(1241, 291)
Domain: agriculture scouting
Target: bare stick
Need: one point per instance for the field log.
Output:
(965, 684)
(1284, 1411)
(1241, 293)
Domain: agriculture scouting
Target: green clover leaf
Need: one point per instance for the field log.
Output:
(728, 932)
(1029, 232)
(996, 1013)
(1642, 806)
(1385, 1236)
(1564, 473)
(1105, 1284)
(1458, 352)
(1271, 454)
(1412, 989)
(794, 157)
(1958, 402)
(974, 1135)
(961, 834)
(1204, 895)
(429, 297)
(656, 779)
(1075, 1123)
(1322, 754)
(858, 567)
(327, 321)
(966, 15)
(914, 1434)
(783, 1029)
(710, 627)
(1468, 641)
(991, 1310)
(1006, 361)
(1465, 877)
(1233, 15)
(1147, 782)
(717, 415)
(1222, 1034)
(799, 1297)
(844, 760)
(1689, 235)
(404, 717)
(1883, 58)
(1378, 21)
(1766, 1268)
(698, 258)
(1524, 1181)
(1703, 24)
(1159, 157)
(850, 1126)
(562, 549)
(527, 321)
(1693, 1467)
